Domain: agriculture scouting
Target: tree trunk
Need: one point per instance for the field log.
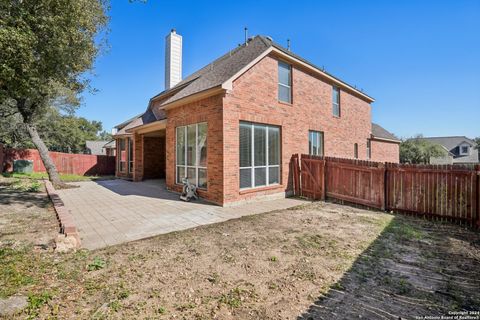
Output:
(53, 175)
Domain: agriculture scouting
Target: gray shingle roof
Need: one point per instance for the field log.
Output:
(220, 70)
(379, 132)
(452, 143)
(95, 147)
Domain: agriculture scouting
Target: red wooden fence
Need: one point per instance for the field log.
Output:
(68, 163)
(356, 181)
(449, 192)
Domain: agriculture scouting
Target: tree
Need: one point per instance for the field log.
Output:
(104, 135)
(46, 46)
(477, 141)
(59, 132)
(419, 151)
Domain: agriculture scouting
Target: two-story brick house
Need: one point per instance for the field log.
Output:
(232, 126)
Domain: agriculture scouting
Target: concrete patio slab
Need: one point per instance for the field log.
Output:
(117, 211)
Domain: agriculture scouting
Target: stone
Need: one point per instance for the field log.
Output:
(65, 243)
(12, 305)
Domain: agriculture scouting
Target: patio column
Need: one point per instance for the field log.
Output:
(138, 157)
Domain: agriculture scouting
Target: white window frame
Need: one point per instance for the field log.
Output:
(320, 140)
(461, 149)
(284, 85)
(197, 155)
(336, 103)
(120, 155)
(267, 166)
(131, 151)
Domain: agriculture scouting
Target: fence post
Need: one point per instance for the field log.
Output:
(383, 177)
(324, 177)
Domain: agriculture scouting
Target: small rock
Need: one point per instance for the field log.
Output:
(12, 305)
(65, 244)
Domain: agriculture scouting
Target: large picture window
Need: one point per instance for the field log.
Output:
(259, 155)
(191, 156)
(315, 143)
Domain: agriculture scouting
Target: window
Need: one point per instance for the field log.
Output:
(130, 155)
(284, 82)
(369, 149)
(464, 150)
(259, 155)
(355, 150)
(336, 101)
(122, 159)
(315, 143)
(191, 156)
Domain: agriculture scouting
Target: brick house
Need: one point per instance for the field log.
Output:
(232, 126)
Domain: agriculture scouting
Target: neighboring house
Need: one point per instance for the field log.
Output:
(110, 148)
(459, 150)
(232, 126)
(95, 147)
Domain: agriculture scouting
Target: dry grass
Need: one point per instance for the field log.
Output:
(316, 261)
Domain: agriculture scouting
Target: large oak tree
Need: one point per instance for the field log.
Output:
(46, 46)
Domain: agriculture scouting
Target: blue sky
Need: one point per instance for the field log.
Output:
(420, 60)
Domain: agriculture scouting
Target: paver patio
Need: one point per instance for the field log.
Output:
(116, 211)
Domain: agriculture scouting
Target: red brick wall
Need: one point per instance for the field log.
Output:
(383, 151)
(254, 98)
(207, 110)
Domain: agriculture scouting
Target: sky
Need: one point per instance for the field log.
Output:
(420, 60)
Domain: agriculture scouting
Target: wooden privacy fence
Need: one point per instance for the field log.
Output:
(444, 191)
(67, 163)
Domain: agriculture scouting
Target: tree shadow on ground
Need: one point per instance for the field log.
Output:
(415, 268)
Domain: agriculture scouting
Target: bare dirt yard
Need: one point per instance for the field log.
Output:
(318, 261)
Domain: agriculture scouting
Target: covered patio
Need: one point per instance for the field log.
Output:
(116, 211)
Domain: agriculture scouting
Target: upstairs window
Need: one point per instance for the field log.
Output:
(284, 82)
(315, 143)
(336, 101)
(355, 150)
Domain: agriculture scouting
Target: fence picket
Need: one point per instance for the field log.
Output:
(442, 192)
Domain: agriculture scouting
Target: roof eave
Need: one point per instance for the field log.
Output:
(195, 97)
(385, 139)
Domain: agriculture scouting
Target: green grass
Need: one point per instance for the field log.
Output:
(63, 177)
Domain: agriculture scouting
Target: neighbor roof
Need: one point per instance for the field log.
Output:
(110, 145)
(380, 133)
(96, 147)
(450, 143)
